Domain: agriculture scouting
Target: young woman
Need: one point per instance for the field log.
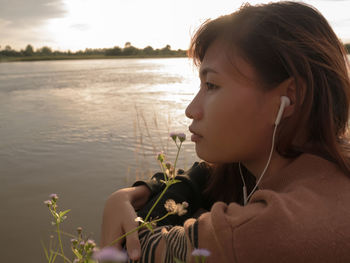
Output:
(270, 122)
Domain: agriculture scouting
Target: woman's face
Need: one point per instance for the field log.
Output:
(232, 116)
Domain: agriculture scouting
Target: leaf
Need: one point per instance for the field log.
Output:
(149, 227)
(67, 234)
(54, 253)
(175, 181)
(45, 250)
(77, 254)
(62, 213)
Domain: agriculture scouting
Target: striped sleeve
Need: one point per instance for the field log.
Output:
(172, 242)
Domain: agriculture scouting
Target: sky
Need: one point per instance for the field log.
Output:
(79, 24)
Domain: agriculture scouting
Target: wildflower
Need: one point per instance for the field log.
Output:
(173, 135)
(91, 243)
(175, 208)
(74, 241)
(54, 197)
(48, 203)
(201, 252)
(170, 172)
(170, 206)
(160, 157)
(168, 165)
(110, 254)
(181, 136)
(139, 219)
(79, 230)
(181, 208)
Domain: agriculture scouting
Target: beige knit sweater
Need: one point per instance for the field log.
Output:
(301, 214)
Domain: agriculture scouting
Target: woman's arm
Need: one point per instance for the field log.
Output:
(119, 217)
(119, 212)
(189, 189)
(212, 231)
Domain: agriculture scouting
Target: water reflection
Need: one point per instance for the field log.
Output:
(82, 129)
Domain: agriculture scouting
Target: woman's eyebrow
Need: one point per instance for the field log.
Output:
(204, 71)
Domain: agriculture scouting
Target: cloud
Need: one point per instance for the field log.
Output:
(81, 27)
(27, 13)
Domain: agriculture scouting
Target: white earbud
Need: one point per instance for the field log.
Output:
(285, 102)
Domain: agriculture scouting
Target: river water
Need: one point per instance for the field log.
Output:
(82, 129)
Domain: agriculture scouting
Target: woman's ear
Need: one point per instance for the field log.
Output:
(288, 88)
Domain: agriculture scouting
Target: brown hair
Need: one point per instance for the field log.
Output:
(282, 40)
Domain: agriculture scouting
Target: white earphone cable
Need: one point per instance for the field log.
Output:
(262, 174)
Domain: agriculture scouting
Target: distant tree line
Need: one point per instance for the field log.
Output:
(127, 50)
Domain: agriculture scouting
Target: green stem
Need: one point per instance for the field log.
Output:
(137, 228)
(166, 187)
(157, 201)
(177, 156)
(59, 240)
(63, 256)
(154, 205)
(126, 234)
(163, 217)
(164, 173)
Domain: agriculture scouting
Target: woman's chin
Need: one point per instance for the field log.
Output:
(205, 155)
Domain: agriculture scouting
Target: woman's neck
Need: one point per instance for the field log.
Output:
(256, 167)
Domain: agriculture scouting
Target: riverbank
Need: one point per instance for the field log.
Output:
(80, 57)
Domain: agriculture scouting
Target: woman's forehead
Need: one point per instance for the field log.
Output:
(220, 58)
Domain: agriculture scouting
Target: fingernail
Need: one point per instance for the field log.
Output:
(135, 254)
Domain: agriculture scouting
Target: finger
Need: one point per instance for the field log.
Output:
(132, 241)
(133, 246)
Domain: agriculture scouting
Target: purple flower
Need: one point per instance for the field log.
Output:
(54, 197)
(201, 252)
(173, 135)
(91, 242)
(48, 203)
(74, 240)
(181, 136)
(110, 254)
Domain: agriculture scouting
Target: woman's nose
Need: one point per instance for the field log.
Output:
(194, 109)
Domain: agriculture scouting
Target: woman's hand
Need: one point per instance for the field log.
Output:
(119, 218)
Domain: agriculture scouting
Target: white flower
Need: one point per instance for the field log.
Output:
(175, 208)
(181, 208)
(139, 219)
(170, 206)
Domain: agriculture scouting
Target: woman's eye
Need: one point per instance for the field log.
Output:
(211, 86)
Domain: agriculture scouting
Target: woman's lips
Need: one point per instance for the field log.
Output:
(196, 138)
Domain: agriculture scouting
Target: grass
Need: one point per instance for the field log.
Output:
(149, 132)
